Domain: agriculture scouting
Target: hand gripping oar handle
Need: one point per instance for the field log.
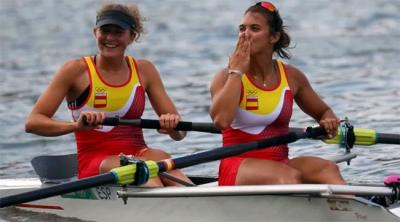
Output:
(155, 124)
(127, 174)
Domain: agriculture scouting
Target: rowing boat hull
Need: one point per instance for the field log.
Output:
(205, 203)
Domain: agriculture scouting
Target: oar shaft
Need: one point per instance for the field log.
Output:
(57, 189)
(387, 138)
(182, 125)
(228, 151)
(218, 153)
(363, 136)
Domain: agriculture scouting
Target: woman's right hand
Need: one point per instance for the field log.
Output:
(240, 58)
(89, 120)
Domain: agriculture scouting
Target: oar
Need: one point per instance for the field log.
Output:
(139, 173)
(155, 124)
(362, 136)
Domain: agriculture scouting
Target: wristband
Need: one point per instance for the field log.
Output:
(235, 72)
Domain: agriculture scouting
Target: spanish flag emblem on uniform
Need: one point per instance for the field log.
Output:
(100, 100)
(251, 103)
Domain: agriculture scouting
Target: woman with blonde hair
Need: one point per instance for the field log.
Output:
(108, 84)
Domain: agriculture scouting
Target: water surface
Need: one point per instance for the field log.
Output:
(348, 50)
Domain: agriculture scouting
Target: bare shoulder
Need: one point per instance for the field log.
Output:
(72, 77)
(72, 68)
(148, 72)
(219, 80)
(294, 72)
(220, 77)
(146, 68)
(145, 65)
(297, 79)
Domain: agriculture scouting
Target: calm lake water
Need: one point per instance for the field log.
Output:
(348, 49)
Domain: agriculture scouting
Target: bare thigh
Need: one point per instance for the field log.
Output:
(257, 171)
(317, 170)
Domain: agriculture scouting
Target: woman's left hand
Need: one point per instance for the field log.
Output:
(168, 122)
(330, 125)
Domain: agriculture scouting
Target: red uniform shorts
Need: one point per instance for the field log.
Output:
(229, 168)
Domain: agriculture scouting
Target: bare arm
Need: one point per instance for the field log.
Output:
(309, 101)
(225, 93)
(160, 101)
(226, 88)
(40, 121)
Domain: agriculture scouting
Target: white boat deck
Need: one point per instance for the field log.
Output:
(307, 202)
(22, 183)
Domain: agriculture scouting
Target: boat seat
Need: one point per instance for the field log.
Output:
(56, 169)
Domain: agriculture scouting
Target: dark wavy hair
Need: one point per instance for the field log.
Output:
(275, 22)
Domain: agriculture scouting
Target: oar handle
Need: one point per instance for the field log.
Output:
(155, 124)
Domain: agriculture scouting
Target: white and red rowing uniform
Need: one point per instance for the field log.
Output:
(126, 100)
(262, 113)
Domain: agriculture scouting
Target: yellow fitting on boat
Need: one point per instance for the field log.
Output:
(153, 168)
(363, 137)
(125, 174)
(334, 140)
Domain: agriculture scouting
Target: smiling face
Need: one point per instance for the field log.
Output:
(113, 40)
(256, 26)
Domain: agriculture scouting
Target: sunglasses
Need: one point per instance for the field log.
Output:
(267, 5)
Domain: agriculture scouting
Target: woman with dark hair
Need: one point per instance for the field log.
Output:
(108, 84)
(252, 99)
